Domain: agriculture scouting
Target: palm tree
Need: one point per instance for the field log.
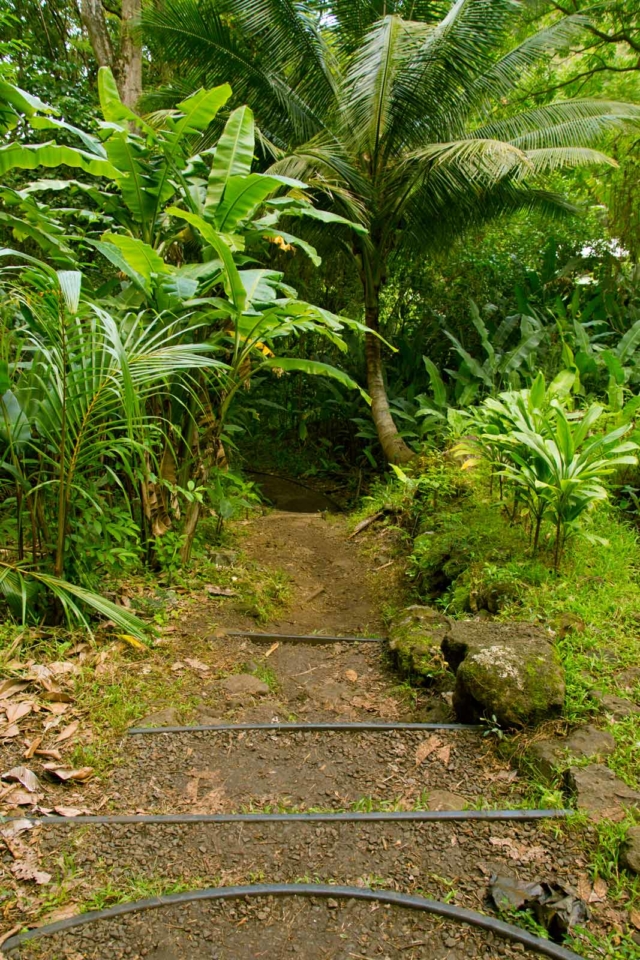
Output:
(408, 125)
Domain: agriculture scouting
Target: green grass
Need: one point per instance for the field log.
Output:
(140, 887)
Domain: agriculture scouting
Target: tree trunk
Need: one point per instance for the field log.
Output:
(130, 67)
(393, 446)
(127, 66)
(92, 13)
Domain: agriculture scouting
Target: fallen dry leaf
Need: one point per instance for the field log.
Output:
(518, 851)
(178, 665)
(214, 591)
(39, 672)
(9, 687)
(50, 754)
(599, 892)
(32, 746)
(351, 676)
(444, 754)
(69, 811)
(16, 711)
(67, 731)
(634, 916)
(68, 773)
(197, 665)
(24, 776)
(9, 732)
(19, 797)
(25, 870)
(15, 827)
(62, 913)
(57, 695)
(57, 709)
(427, 747)
(60, 667)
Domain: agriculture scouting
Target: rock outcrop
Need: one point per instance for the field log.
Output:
(551, 756)
(415, 641)
(509, 671)
(630, 850)
(600, 793)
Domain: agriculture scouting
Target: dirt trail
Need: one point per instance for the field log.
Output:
(333, 593)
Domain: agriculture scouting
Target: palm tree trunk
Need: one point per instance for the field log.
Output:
(393, 446)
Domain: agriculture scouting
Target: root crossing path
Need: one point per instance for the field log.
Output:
(239, 803)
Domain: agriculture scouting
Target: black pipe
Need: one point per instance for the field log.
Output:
(306, 727)
(451, 912)
(329, 817)
(301, 638)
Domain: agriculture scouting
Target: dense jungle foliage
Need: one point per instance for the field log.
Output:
(315, 239)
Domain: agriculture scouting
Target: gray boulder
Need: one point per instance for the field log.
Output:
(162, 718)
(509, 671)
(599, 792)
(617, 707)
(630, 850)
(415, 641)
(550, 756)
(244, 685)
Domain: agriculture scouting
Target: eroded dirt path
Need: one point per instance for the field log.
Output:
(232, 679)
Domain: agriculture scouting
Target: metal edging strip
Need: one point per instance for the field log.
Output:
(372, 816)
(301, 638)
(447, 910)
(306, 727)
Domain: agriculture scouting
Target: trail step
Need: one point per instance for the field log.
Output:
(314, 638)
(309, 727)
(449, 911)
(324, 817)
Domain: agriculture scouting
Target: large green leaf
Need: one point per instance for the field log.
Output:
(51, 123)
(233, 154)
(259, 284)
(115, 256)
(513, 360)
(437, 384)
(244, 194)
(113, 109)
(25, 102)
(139, 255)
(200, 109)
(30, 156)
(629, 342)
(281, 237)
(232, 281)
(145, 188)
(316, 369)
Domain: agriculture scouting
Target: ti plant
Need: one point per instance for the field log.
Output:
(555, 460)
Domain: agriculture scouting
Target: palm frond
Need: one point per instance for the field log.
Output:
(367, 93)
(451, 56)
(507, 72)
(562, 124)
(19, 585)
(549, 159)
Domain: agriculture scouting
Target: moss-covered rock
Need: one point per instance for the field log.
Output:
(415, 641)
(509, 671)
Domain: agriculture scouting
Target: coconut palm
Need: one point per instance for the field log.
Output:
(407, 124)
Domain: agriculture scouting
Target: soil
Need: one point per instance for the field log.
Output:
(336, 591)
